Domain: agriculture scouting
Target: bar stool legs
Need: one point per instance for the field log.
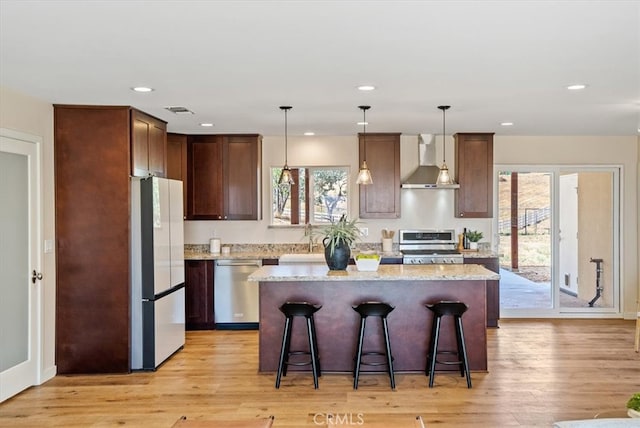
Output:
(381, 310)
(306, 310)
(440, 309)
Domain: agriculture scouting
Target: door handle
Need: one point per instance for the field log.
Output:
(36, 276)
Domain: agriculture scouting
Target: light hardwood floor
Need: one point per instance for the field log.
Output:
(539, 371)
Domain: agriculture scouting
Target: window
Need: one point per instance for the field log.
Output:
(319, 196)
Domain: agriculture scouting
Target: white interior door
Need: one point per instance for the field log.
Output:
(19, 261)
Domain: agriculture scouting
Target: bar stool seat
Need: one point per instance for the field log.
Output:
(381, 310)
(306, 310)
(456, 310)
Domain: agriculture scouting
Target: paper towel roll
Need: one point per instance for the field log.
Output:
(214, 245)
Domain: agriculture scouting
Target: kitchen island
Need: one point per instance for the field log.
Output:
(406, 287)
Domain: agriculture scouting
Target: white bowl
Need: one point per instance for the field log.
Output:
(633, 413)
(367, 264)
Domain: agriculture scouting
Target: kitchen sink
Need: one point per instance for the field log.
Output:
(302, 258)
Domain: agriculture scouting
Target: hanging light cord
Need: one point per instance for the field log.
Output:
(364, 131)
(444, 148)
(285, 137)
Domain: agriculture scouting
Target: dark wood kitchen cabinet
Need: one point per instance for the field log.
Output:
(177, 162)
(474, 173)
(493, 288)
(223, 177)
(148, 145)
(199, 294)
(92, 147)
(381, 199)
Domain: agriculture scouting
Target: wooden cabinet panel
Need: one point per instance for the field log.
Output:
(148, 145)
(199, 294)
(204, 180)
(223, 177)
(92, 199)
(157, 149)
(139, 147)
(382, 153)
(241, 165)
(177, 162)
(493, 288)
(474, 173)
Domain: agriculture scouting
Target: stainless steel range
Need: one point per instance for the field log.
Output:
(429, 246)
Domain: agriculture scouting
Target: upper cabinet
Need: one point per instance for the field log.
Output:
(474, 173)
(177, 161)
(223, 177)
(381, 199)
(148, 145)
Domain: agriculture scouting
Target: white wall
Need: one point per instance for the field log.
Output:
(31, 116)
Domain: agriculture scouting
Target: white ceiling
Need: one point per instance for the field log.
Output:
(235, 62)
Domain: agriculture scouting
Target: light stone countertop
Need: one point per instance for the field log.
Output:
(319, 272)
(274, 251)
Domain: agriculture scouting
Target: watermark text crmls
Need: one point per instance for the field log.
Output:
(338, 419)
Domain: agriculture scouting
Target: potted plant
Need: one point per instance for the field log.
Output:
(338, 237)
(633, 406)
(474, 237)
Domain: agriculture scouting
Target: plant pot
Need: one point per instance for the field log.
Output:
(340, 257)
(473, 245)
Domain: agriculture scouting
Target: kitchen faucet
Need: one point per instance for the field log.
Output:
(308, 231)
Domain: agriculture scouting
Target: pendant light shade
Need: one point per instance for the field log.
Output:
(286, 179)
(444, 179)
(364, 175)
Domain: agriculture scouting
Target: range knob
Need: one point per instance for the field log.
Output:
(433, 260)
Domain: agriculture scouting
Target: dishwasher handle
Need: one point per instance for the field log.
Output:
(257, 263)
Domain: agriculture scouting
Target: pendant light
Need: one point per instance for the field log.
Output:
(444, 179)
(364, 175)
(286, 179)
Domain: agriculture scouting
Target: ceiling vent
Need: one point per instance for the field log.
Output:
(179, 110)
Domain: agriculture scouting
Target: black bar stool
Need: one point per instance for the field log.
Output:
(306, 310)
(373, 309)
(440, 309)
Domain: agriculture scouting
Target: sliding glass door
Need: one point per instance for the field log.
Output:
(558, 234)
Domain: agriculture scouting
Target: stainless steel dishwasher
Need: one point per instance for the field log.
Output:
(235, 297)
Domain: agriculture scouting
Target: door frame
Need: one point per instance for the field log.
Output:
(36, 254)
(556, 311)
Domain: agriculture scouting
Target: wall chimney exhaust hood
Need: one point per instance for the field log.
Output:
(426, 175)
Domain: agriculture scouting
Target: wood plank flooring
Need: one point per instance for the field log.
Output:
(539, 371)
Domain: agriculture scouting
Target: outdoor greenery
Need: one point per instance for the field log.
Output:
(327, 195)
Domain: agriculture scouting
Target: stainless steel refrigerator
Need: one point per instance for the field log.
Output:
(157, 270)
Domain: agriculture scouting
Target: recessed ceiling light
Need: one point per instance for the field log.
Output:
(507, 124)
(309, 134)
(576, 87)
(206, 124)
(362, 123)
(142, 89)
(366, 87)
